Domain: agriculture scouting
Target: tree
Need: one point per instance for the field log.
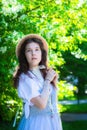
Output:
(75, 68)
(62, 23)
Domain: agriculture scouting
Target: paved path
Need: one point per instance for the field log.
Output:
(65, 102)
(73, 117)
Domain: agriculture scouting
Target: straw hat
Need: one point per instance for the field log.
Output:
(28, 37)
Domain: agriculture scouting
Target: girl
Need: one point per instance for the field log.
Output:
(36, 85)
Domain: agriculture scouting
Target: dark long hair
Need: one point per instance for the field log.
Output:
(23, 66)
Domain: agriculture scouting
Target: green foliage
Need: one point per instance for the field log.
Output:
(66, 91)
(9, 107)
(62, 23)
(8, 110)
(76, 67)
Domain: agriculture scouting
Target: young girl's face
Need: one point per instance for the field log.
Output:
(33, 54)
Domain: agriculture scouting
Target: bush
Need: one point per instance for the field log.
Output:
(8, 108)
(66, 90)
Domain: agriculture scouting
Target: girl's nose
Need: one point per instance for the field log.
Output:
(33, 52)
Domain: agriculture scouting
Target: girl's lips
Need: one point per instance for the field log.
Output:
(34, 58)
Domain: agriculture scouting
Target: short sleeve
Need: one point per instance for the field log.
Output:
(27, 89)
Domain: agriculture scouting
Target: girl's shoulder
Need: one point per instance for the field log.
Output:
(26, 78)
(23, 76)
(24, 81)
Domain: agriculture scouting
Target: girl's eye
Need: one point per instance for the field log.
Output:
(37, 49)
(28, 50)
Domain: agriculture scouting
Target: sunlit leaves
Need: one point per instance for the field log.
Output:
(66, 90)
(10, 7)
(63, 23)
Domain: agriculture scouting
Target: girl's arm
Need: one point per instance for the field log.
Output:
(41, 101)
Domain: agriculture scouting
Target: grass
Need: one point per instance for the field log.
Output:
(73, 108)
(77, 125)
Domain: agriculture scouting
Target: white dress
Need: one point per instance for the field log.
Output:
(30, 86)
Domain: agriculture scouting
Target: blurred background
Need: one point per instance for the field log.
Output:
(63, 23)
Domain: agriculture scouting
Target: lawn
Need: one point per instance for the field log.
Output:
(77, 125)
(73, 108)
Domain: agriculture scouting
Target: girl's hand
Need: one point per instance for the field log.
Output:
(51, 75)
(55, 80)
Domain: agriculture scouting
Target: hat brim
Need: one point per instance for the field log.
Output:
(28, 37)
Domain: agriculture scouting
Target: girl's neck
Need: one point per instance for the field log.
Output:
(34, 68)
